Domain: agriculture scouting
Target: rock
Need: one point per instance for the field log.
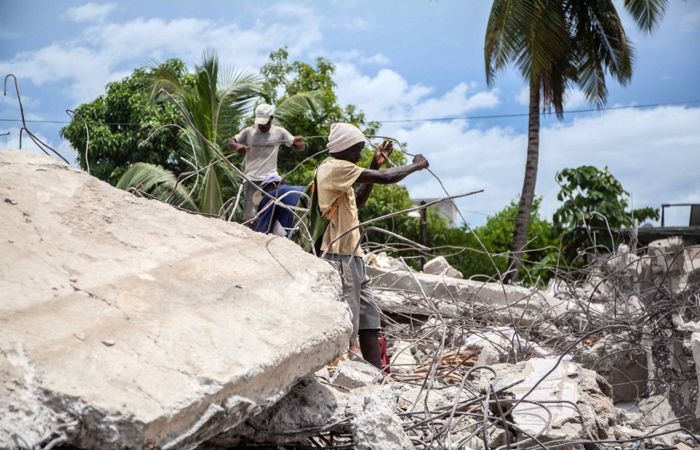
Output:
(420, 293)
(368, 413)
(211, 321)
(384, 261)
(620, 361)
(353, 374)
(500, 344)
(568, 384)
(656, 411)
(440, 266)
(401, 358)
(375, 424)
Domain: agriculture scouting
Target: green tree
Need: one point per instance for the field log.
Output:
(124, 127)
(594, 208)
(557, 44)
(496, 234)
(212, 106)
(284, 80)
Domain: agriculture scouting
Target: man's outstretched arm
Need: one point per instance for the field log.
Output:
(370, 176)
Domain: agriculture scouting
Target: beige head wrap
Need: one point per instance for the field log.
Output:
(343, 136)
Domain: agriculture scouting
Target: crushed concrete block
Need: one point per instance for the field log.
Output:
(620, 362)
(384, 261)
(208, 321)
(367, 412)
(548, 411)
(421, 293)
(498, 344)
(440, 266)
(354, 374)
(401, 359)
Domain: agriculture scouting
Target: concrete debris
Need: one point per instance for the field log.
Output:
(401, 357)
(420, 293)
(383, 261)
(440, 266)
(501, 345)
(367, 414)
(353, 374)
(558, 399)
(129, 324)
(622, 363)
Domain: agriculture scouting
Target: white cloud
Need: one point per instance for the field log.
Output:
(646, 150)
(107, 51)
(90, 12)
(389, 96)
(353, 56)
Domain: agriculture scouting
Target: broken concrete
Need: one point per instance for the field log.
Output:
(440, 266)
(136, 320)
(419, 293)
(566, 402)
(367, 413)
(354, 374)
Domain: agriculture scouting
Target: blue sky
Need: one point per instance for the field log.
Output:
(415, 59)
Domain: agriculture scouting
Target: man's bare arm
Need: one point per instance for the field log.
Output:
(370, 176)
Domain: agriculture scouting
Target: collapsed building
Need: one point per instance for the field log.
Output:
(129, 324)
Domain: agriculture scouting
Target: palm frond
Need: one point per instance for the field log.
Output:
(301, 104)
(210, 200)
(157, 182)
(647, 13)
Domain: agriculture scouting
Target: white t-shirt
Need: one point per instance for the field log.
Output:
(261, 158)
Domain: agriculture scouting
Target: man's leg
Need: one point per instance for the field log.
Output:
(369, 320)
(369, 344)
(351, 293)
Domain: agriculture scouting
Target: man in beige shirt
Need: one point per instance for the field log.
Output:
(341, 242)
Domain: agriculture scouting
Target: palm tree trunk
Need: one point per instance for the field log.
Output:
(522, 220)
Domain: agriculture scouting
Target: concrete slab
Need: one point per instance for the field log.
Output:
(404, 292)
(149, 326)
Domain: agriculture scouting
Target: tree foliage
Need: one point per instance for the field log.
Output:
(125, 127)
(594, 208)
(558, 44)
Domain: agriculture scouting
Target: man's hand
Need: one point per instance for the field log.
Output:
(382, 153)
(421, 161)
(298, 142)
(236, 147)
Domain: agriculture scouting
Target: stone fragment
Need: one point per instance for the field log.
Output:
(440, 266)
(194, 354)
(421, 293)
(402, 360)
(367, 412)
(353, 374)
(548, 411)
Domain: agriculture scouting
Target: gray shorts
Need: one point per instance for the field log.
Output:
(357, 292)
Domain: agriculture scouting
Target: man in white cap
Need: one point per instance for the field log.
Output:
(260, 143)
(336, 177)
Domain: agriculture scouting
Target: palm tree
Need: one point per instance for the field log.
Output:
(214, 105)
(558, 44)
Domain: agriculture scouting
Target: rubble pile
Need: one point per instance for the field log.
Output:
(128, 324)
(576, 366)
(125, 323)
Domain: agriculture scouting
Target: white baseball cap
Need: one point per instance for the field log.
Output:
(263, 112)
